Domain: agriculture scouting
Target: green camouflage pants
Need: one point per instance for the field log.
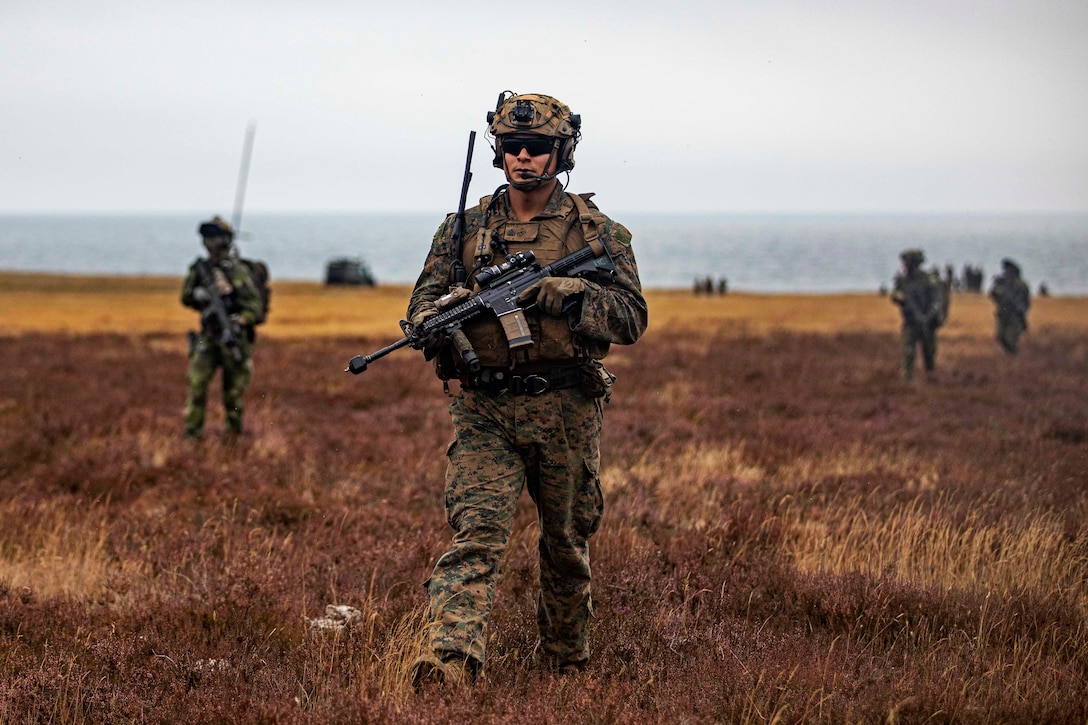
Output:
(549, 444)
(208, 355)
(912, 338)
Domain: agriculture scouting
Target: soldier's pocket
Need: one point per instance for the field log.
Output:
(447, 493)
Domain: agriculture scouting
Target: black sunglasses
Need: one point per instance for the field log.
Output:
(536, 146)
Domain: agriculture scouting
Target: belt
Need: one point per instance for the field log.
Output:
(498, 380)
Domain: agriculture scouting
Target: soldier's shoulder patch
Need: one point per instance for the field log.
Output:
(620, 234)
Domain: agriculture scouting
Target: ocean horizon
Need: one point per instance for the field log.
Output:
(769, 253)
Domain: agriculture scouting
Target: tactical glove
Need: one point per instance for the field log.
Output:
(554, 294)
(434, 340)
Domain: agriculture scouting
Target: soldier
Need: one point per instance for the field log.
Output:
(530, 417)
(222, 289)
(1012, 298)
(919, 296)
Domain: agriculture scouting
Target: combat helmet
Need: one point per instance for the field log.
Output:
(534, 114)
(217, 226)
(913, 257)
(218, 236)
(1010, 266)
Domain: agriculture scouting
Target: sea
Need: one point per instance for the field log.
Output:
(772, 253)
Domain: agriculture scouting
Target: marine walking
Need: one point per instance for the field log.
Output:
(1012, 298)
(225, 290)
(923, 303)
(529, 411)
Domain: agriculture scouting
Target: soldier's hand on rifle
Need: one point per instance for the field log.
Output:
(434, 340)
(552, 294)
(201, 298)
(222, 284)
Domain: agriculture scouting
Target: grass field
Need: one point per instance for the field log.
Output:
(792, 533)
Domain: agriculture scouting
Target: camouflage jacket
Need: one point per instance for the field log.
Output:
(243, 300)
(610, 313)
(1012, 296)
(918, 295)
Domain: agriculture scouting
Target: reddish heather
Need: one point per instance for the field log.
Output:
(785, 537)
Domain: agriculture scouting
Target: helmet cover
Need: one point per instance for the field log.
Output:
(534, 114)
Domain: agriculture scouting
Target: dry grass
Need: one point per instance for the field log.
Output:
(792, 534)
(52, 550)
(140, 305)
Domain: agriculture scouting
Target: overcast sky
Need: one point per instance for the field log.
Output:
(715, 106)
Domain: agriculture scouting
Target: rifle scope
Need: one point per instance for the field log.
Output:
(516, 261)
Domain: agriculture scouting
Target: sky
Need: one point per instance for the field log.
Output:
(723, 106)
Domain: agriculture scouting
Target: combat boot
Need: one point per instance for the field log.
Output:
(554, 666)
(458, 674)
(429, 670)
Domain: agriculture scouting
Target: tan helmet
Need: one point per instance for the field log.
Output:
(534, 114)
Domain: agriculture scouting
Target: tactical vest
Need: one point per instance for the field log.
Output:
(549, 238)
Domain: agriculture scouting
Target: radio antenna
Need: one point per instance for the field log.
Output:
(243, 176)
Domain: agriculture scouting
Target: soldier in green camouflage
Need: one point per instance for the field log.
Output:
(529, 418)
(919, 297)
(1012, 298)
(229, 303)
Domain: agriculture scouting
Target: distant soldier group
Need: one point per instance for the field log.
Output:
(924, 299)
(970, 281)
(707, 286)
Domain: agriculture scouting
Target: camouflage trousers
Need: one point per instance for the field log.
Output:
(549, 444)
(1009, 329)
(913, 338)
(208, 355)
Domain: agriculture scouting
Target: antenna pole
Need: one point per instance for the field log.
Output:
(243, 176)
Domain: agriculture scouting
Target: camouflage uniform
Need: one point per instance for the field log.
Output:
(1012, 297)
(548, 443)
(208, 352)
(919, 296)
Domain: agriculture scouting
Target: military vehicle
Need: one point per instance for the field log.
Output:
(349, 270)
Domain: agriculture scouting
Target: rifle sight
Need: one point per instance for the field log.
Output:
(516, 261)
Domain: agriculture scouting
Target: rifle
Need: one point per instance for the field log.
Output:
(500, 287)
(229, 330)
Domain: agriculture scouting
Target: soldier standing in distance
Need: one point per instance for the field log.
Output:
(918, 295)
(230, 347)
(531, 417)
(1012, 298)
